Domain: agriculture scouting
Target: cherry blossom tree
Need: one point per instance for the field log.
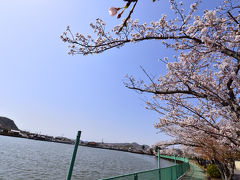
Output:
(198, 99)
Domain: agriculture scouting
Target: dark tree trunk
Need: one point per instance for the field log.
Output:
(226, 170)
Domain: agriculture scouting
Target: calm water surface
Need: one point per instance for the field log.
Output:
(24, 159)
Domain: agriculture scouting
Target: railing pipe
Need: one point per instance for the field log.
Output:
(135, 176)
(69, 176)
(159, 166)
(175, 159)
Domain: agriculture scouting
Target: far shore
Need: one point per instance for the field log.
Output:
(65, 140)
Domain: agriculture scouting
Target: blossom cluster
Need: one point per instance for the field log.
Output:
(198, 99)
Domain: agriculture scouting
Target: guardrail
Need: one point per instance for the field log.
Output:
(183, 159)
(168, 173)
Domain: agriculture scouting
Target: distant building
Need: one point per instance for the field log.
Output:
(93, 144)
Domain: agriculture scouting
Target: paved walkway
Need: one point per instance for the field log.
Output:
(195, 173)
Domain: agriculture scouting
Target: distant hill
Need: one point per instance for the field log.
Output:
(134, 145)
(6, 123)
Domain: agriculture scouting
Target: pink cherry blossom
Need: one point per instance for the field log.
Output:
(113, 11)
(198, 99)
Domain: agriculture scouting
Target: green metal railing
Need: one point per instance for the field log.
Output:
(183, 159)
(168, 173)
(69, 176)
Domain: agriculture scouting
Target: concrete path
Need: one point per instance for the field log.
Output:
(195, 173)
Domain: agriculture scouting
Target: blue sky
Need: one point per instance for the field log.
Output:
(45, 90)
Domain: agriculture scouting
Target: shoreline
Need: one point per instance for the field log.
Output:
(72, 143)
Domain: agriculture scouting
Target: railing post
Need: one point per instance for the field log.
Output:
(159, 159)
(181, 169)
(159, 173)
(175, 159)
(69, 176)
(159, 166)
(135, 177)
(171, 173)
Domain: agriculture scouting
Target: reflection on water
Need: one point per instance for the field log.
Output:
(24, 159)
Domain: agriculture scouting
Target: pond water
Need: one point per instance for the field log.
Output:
(25, 159)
